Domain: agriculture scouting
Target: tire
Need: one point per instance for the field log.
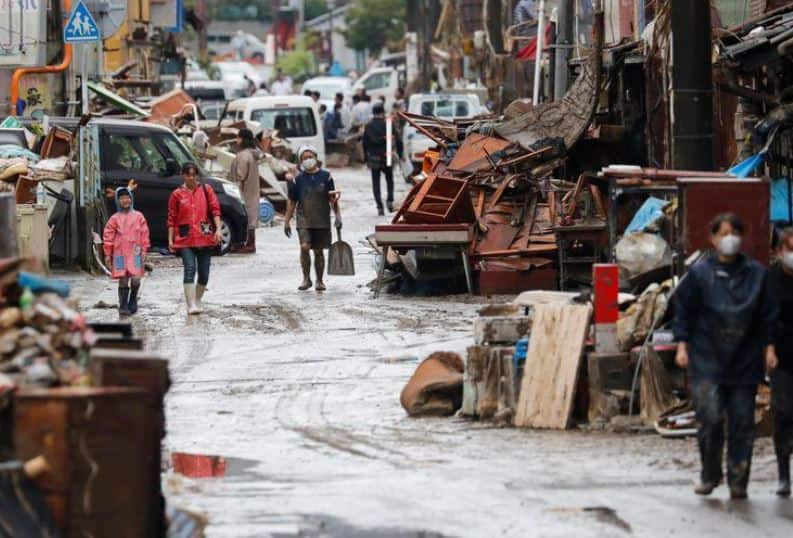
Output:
(227, 236)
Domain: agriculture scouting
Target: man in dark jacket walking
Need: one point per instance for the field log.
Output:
(375, 150)
(724, 322)
(781, 282)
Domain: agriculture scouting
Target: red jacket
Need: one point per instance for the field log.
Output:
(189, 218)
(126, 240)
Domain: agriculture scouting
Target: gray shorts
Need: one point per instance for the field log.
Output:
(317, 238)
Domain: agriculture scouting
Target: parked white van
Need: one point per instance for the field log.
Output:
(295, 117)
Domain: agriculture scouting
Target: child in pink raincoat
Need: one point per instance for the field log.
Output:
(126, 241)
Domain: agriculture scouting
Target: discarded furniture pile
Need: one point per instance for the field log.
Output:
(501, 202)
(495, 177)
(605, 355)
(81, 416)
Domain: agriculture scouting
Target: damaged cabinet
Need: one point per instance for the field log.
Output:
(96, 442)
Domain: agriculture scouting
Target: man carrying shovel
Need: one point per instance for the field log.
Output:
(312, 194)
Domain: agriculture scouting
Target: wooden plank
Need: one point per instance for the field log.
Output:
(552, 365)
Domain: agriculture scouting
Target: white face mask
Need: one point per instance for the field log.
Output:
(729, 245)
(309, 164)
(787, 260)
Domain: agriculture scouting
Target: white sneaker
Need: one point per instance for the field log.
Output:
(189, 296)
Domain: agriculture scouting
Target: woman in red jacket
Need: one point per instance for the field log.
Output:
(194, 231)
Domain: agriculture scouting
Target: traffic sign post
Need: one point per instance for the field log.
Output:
(81, 27)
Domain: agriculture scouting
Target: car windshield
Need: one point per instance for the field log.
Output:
(142, 152)
(445, 108)
(290, 122)
(234, 68)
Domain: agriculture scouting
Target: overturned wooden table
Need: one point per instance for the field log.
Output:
(413, 236)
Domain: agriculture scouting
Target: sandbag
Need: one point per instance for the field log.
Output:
(436, 387)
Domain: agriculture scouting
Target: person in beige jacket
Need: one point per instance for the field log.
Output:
(245, 172)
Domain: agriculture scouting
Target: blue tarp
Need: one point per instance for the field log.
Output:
(9, 151)
(651, 211)
(747, 167)
(780, 200)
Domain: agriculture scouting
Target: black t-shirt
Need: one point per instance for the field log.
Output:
(311, 194)
(782, 291)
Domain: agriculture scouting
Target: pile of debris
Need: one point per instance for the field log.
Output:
(498, 178)
(44, 340)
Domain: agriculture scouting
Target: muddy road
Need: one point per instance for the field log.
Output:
(300, 392)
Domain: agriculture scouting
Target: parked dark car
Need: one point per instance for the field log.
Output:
(153, 156)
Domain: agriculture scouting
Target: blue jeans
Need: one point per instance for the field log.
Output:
(196, 259)
(714, 402)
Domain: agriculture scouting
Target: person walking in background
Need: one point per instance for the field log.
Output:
(344, 110)
(244, 171)
(781, 282)
(375, 153)
(724, 325)
(331, 121)
(193, 232)
(125, 241)
(312, 195)
(360, 112)
(281, 85)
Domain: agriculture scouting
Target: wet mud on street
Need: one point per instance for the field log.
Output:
(299, 391)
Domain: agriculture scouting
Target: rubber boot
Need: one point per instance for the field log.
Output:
(189, 296)
(784, 476)
(319, 269)
(133, 298)
(123, 301)
(199, 294)
(305, 265)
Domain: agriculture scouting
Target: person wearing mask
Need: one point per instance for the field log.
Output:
(724, 321)
(374, 150)
(312, 195)
(125, 242)
(193, 232)
(281, 85)
(781, 281)
(244, 171)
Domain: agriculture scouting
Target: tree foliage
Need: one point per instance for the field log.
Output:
(314, 8)
(373, 24)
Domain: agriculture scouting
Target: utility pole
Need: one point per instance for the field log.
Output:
(564, 42)
(331, 7)
(692, 86)
(201, 13)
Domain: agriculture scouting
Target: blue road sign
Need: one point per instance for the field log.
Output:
(81, 26)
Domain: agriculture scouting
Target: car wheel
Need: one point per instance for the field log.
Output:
(226, 237)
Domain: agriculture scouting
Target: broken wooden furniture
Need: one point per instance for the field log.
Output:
(578, 244)
(441, 199)
(404, 237)
(97, 442)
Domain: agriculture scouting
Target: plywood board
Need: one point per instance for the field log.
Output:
(552, 363)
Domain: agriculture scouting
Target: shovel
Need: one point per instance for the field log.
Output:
(340, 258)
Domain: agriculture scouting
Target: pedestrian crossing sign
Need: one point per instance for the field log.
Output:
(81, 26)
